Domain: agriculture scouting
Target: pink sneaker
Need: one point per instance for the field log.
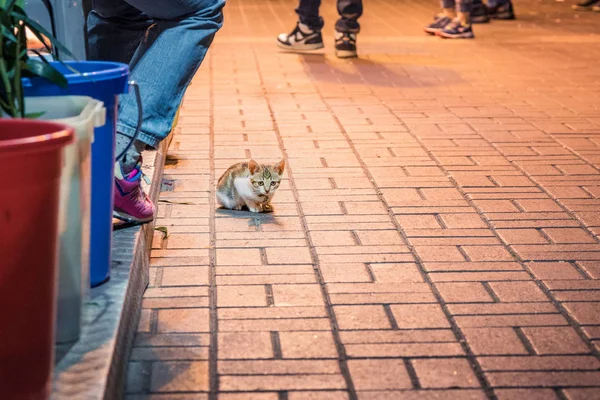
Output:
(131, 203)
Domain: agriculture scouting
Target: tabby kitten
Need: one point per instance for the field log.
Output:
(249, 184)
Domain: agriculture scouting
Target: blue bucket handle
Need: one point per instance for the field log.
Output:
(138, 98)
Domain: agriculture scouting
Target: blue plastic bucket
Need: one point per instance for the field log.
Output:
(103, 81)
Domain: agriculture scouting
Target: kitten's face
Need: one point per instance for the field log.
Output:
(266, 179)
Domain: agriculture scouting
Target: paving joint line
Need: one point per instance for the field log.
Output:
(470, 356)
(595, 351)
(342, 356)
(213, 358)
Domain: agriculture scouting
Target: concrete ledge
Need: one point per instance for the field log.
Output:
(94, 367)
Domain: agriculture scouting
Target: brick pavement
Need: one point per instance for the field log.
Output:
(436, 238)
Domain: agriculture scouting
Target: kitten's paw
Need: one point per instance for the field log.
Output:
(254, 210)
(267, 208)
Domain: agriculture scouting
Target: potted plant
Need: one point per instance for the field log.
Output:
(31, 150)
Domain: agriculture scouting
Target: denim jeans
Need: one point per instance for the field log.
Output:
(164, 43)
(458, 5)
(349, 10)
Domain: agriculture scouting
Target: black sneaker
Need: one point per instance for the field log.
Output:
(456, 31)
(479, 13)
(503, 11)
(302, 38)
(437, 25)
(585, 5)
(345, 44)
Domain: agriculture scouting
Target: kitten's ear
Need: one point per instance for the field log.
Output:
(279, 167)
(253, 166)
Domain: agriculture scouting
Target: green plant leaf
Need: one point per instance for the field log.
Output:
(39, 30)
(177, 202)
(41, 69)
(35, 115)
(164, 230)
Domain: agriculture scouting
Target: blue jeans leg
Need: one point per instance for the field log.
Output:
(460, 5)
(164, 42)
(308, 13)
(350, 11)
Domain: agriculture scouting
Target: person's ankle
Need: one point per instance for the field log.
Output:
(464, 18)
(449, 12)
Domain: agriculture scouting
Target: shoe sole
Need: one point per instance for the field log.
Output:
(305, 47)
(480, 20)
(346, 54)
(431, 31)
(458, 36)
(128, 218)
(503, 17)
(580, 8)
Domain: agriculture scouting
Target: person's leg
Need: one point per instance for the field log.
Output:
(115, 30)
(442, 19)
(347, 27)
(350, 11)
(166, 60)
(461, 27)
(464, 11)
(308, 14)
(479, 12)
(501, 9)
(166, 56)
(307, 33)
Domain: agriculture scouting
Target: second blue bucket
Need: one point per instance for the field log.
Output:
(103, 81)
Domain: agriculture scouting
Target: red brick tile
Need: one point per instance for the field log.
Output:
(389, 273)
(183, 320)
(522, 236)
(296, 255)
(487, 253)
(415, 316)
(361, 317)
(463, 292)
(584, 313)
(277, 367)
(439, 253)
(241, 296)
(179, 377)
(297, 295)
(318, 396)
(518, 291)
(245, 345)
(530, 394)
(582, 394)
(307, 345)
(339, 273)
(382, 350)
(538, 363)
(463, 221)
(184, 276)
(554, 270)
(368, 238)
(379, 374)
(281, 382)
(555, 340)
(238, 257)
(464, 394)
(569, 235)
(445, 373)
(543, 379)
(492, 341)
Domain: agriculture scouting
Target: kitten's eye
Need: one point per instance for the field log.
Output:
(273, 183)
(260, 183)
